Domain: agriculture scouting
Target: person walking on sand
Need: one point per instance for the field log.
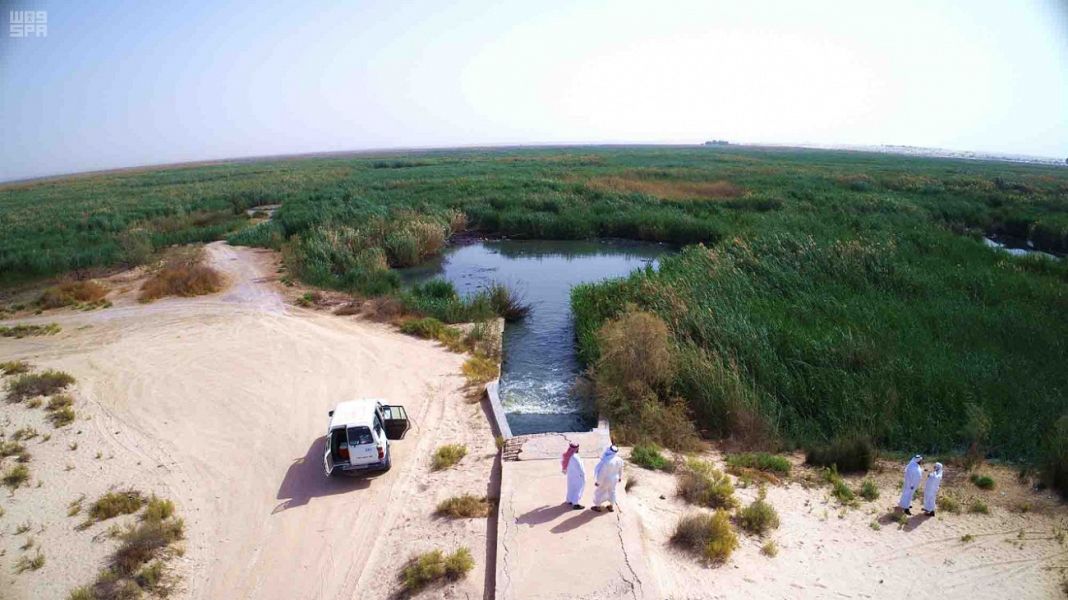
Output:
(930, 490)
(913, 473)
(576, 476)
(606, 476)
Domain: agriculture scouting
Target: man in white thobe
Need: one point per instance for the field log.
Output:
(607, 475)
(576, 476)
(930, 490)
(913, 473)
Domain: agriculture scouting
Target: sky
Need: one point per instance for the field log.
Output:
(119, 83)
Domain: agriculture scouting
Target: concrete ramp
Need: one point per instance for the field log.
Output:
(547, 550)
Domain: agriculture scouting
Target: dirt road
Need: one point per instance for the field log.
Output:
(220, 404)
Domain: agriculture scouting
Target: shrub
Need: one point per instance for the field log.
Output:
(977, 506)
(700, 483)
(72, 292)
(467, 506)
(948, 503)
(27, 563)
(14, 367)
(761, 461)
(427, 328)
(24, 433)
(966, 538)
(11, 448)
(81, 593)
(851, 454)
(709, 536)
(983, 482)
(479, 370)
(1055, 456)
(16, 476)
(37, 384)
(141, 543)
(59, 401)
(447, 456)
(61, 417)
(770, 549)
(869, 490)
(507, 303)
(648, 456)
(113, 504)
(20, 331)
(839, 489)
(759, 517)
(182, 275)
(158, 509)
(150, 576)
(435, 566)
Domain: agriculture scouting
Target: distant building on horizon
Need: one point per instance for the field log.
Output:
(717, 143)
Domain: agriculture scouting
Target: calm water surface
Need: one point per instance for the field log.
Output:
(540, 364)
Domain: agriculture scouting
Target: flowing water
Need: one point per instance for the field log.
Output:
(540, 365)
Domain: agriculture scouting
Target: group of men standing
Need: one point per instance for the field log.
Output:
(606, 475)
(913, 474)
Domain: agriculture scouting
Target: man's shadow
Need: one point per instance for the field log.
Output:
(306, 478)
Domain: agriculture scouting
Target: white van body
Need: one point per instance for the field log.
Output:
(358, 436)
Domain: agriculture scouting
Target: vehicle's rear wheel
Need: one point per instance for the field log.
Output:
(389, 460)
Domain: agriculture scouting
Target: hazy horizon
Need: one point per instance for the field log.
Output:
(119, 84)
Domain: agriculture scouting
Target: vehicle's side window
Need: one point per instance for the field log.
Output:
(378, 425)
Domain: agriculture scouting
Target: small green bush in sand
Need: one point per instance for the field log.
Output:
(21, 331)
(25, 433)
(435, 567)
(16, 476)
(447, 456)
(850, 455)
(14, 367)
(113, 504)
(701, 483)
(770, 549)
(761, 461)
(11, 449)
(466, 506)
(983, 482)
(479, 370)
(839, 489)
(142, 543)
(428, 328)
(62, 417)
(869, 490)
(648, 456)
(28, 563)
(709, 536)
(948, 503)
(29, 385)
(759, 517)
(979, 507)
(158, 509)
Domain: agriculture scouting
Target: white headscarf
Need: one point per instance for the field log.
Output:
(608, 454)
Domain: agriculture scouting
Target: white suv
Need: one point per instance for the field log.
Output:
(358, 436)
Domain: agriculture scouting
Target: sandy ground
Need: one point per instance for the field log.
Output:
(220, 403)
(826, 551)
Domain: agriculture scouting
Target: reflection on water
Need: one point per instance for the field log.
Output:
(540, 364)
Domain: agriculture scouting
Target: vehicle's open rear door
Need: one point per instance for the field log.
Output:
(396, 421)
(328, 458)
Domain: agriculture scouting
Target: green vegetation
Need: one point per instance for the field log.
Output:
(466, 506)
(847, 455)
(16, 476)
(839, 488)
(948, 503)
(435, 567)
(761, 461)
(447, 456)
(759, 517)
(698, 482)
(113, 504)
(836, 292)
(14, 367)
(770, 549)
(869, 490)
(29, 385)
(967, 538)
(977, 506)
(709, 536)
(21, 331)
(648, 456)
(479, 370)
(983, 482)
(29, 563)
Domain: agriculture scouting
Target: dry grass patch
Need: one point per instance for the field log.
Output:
(702, 484)
(435, 567)
(28, 563)
(183, 274)
(709, 536)
(667, 189)
(467, 506)
(16, 476)
(479, 370)
(15, 367)
(71, 293)
(759, 517)
(29, 385)
(113, 504)
(20, 331)
(447, 456)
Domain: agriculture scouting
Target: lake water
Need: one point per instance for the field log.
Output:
(1016, 247)
(540, 365)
